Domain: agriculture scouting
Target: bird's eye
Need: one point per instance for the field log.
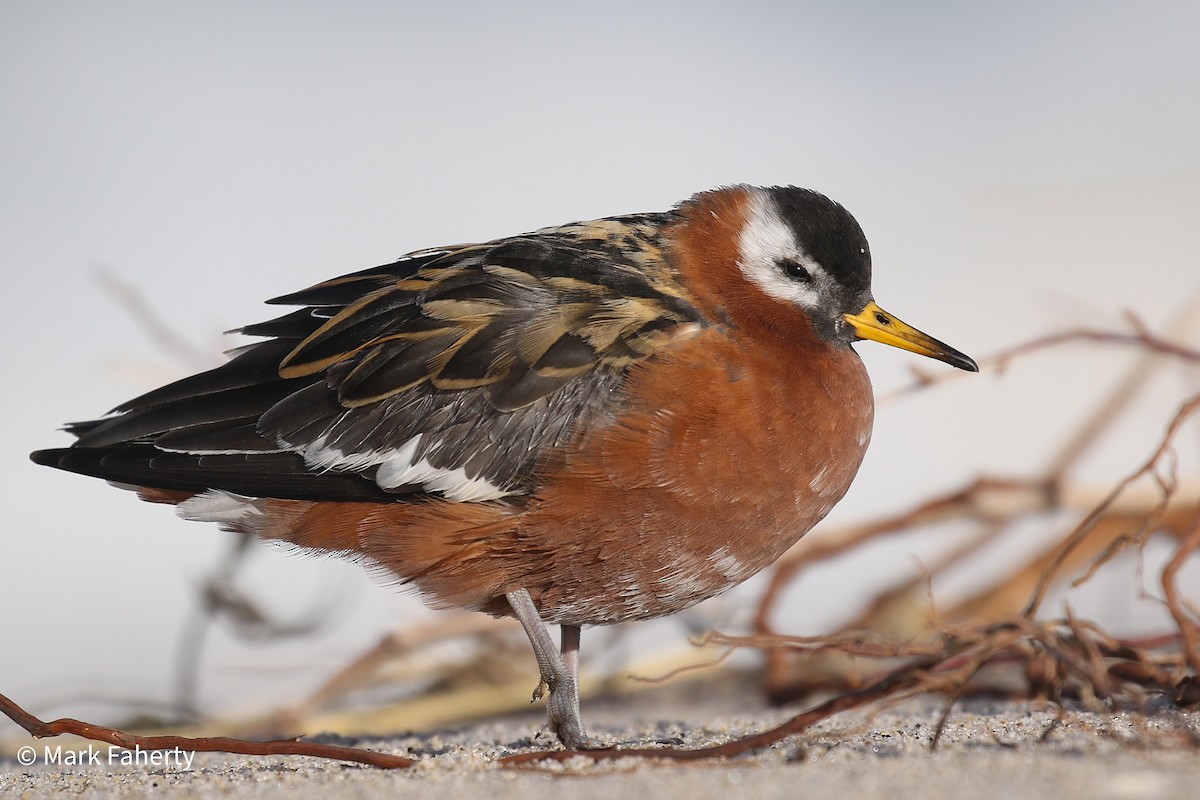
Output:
(795, 270)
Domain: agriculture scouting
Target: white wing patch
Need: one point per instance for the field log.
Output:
(399, 467)
(320, 455)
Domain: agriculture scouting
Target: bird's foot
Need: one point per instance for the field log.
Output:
(559, 674)
(562, 710)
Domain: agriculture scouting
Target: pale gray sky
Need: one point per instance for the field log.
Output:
(1018, 167)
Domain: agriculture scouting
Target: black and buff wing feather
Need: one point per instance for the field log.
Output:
(452, 371)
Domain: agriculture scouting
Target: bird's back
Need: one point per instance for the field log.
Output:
(452, 372)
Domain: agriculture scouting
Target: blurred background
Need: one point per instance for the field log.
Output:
(1019, 168)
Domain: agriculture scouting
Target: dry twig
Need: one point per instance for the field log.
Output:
(213, 744)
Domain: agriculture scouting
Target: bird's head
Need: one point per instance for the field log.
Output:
(803, 250)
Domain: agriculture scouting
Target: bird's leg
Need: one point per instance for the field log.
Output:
(569, 650)
(563, 705)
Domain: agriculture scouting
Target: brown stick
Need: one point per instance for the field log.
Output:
(1187, 625)
(1084, 528)
(209, 744)
(907, 676)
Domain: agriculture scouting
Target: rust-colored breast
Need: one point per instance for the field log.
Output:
(730, 453)
(737, 440)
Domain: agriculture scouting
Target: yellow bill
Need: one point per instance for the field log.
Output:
(879, 326)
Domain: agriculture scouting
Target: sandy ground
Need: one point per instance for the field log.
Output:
(989, 750)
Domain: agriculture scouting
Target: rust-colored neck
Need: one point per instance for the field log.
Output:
(705, 246)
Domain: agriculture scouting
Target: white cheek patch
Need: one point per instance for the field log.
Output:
(767, 240)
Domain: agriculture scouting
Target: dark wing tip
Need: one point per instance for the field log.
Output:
(48, 458)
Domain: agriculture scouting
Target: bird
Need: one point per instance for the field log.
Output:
(600, 422)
